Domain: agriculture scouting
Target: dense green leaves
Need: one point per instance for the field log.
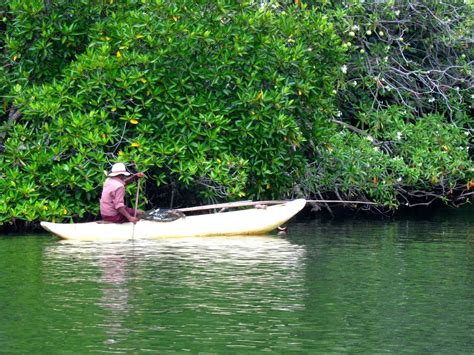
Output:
(214, 100)
(399, 161)
(405, 101)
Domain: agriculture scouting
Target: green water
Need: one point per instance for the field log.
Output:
(341, 286)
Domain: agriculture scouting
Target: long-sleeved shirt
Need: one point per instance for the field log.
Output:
(113, 196)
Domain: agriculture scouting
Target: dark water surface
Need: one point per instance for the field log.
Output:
(341, 286)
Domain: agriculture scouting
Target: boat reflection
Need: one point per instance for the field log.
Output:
(204, 276)
(238, 249)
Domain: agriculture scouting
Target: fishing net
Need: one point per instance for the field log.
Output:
(162, 215)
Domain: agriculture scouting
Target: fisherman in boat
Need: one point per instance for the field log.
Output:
(112, 201)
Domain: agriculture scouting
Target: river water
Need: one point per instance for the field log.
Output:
(338, 286)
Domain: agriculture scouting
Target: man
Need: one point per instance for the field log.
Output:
(112, 201)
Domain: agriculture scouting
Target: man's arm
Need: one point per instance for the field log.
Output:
(119, 205)
(127, 215)
(134, 177)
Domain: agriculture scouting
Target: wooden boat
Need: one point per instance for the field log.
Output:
(251, 221)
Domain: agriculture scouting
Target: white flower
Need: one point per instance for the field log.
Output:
(344, 69)
(354, 83)
(370, 139)
(399, 135)
(355, 28)
(399, 179)
(397, 12)
(431, 99)
(338, 114)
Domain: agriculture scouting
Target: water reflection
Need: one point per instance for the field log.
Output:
(329, 287)
(113, 274)
(233, 250)
(115, 293)
(168, 285)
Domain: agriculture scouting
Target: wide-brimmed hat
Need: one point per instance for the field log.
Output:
(119, 169)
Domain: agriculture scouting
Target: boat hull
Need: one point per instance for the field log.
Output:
(254, 221)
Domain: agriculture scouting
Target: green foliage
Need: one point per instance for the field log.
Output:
(40, 38)
(405, 103)
(219, 98)
(232, 99)
(362, 169)
(399, 157)
(432, 150)
(414, 53)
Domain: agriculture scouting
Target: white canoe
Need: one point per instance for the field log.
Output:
(252, 221)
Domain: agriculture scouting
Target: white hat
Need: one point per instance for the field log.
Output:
(119, 169)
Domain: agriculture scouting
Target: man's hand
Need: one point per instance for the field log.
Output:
(133, 177)
(133, 220)
(128, 216)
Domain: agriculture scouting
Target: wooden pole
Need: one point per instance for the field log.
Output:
(254, 203)
(136, 198)
(136, 206)
(339, 201)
